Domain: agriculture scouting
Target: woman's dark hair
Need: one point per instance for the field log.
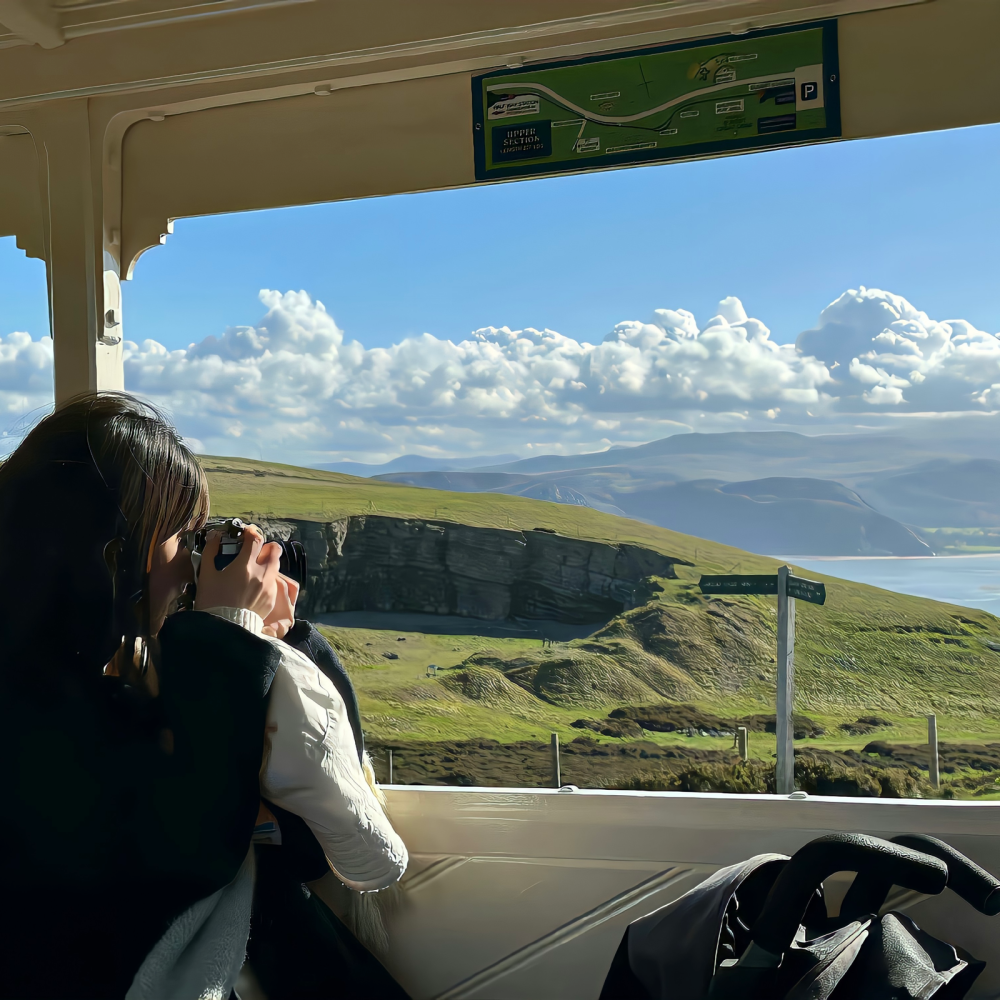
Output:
(84, 499)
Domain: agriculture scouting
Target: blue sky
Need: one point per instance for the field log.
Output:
(787, 232)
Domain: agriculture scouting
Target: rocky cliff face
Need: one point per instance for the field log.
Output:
(374, 563)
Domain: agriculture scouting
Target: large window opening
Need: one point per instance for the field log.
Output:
(525, 419)
(26, 387)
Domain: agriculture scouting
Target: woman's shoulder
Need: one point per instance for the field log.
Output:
(196, 645)
(305, 638)
(298, 677)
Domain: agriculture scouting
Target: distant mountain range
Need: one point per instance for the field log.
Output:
(939, 493)
(779, 515)
(414, 463)
(740, 455)
(775, 493)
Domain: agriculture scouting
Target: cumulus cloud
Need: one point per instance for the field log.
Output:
(25, 378)
(294, 386)
(908, 359)
(295, 381)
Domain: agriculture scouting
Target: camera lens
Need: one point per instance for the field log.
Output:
(294, 563)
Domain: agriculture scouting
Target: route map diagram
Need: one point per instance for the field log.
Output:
(739, 92)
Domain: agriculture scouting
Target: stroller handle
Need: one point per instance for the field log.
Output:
(975, 885)
(870, 857)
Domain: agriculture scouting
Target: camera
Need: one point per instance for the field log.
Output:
(294, 563)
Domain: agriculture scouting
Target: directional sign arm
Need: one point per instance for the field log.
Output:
(738, 584)
(806, 590)
(799, 588)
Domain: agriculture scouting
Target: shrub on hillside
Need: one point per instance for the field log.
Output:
(864, 725)
(748, 776)
(812, 774)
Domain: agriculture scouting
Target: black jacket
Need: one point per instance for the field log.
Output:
(121, 811)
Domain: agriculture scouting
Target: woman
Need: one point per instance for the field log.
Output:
(134, 739)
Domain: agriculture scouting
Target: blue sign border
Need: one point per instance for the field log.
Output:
(831, 101)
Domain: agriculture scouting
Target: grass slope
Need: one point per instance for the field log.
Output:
(246, 487)
(867, 650)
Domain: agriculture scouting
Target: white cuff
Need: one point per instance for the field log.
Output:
(250, 620)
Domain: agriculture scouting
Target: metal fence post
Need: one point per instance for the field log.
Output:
(785, 768)
(554, 744)
(390, 766)
(934, 768)
(743, 742)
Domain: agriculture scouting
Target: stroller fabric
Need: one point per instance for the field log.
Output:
(702, 947)
(671, 953)
(899, 961)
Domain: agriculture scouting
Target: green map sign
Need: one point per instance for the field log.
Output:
(701, 98)
(796, 586)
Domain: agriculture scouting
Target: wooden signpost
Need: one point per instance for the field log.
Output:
(934, 762)
(788, 589)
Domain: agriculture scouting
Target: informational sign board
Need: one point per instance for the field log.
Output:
(789, 589)
(806, 590)
(739, 584)
(797, 587)
(760, 89)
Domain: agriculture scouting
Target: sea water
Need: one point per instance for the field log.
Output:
(971, 581)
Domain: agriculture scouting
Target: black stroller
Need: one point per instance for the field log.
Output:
(760, 930)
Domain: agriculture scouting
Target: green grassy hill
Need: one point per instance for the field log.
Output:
(866, 651)
(246, 487)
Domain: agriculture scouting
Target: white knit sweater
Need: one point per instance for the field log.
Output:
(203, 950)
(310, 768)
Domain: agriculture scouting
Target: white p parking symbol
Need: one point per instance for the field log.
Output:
(810, 91)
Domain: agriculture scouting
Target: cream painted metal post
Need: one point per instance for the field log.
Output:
(785, 768)
(82, 278)
(556, 776)
(70, 266)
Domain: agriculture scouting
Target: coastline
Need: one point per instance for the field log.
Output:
(971, 580)
(968, 555)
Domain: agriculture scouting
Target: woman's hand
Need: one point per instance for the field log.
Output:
(249, 581)
(282, 617)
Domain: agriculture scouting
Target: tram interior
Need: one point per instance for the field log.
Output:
(118, 119)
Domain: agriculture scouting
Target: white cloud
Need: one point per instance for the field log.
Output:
(25, 377)
(884, 394)
(294, 387)
(295, 382)
(887, 343)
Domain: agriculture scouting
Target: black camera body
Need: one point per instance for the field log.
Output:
(294, 563)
